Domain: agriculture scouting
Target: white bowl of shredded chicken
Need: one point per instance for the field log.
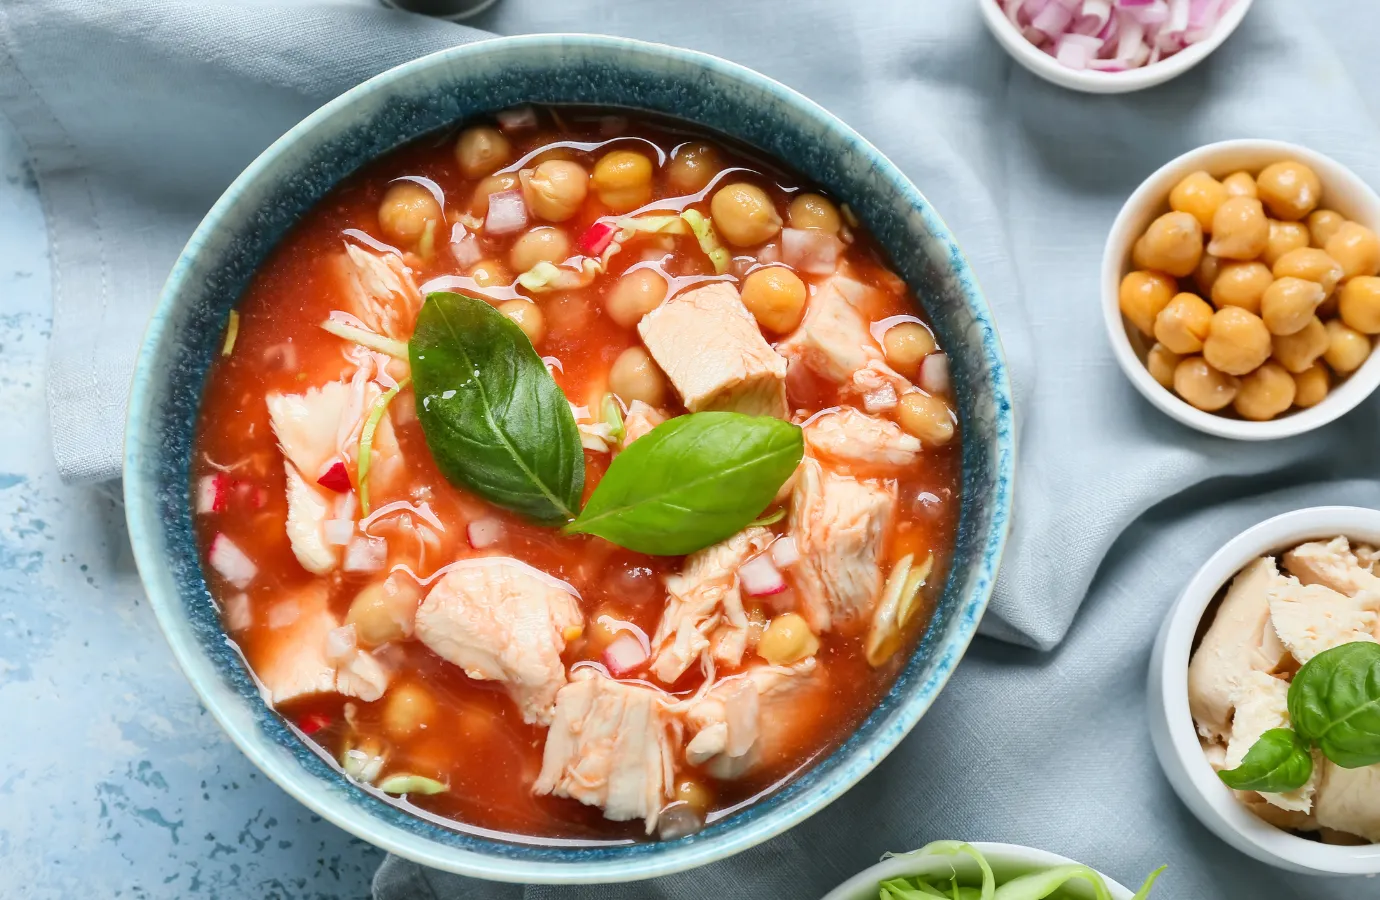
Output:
(1277, 601)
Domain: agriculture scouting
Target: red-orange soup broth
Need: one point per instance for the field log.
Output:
(432, 719)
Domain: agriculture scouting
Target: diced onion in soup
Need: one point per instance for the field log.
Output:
(934, 373)
(366, 554)
(810, 250)
(507, 212)
(785, 553)
(231, 562)
(484, 532)
(339, 531)
(760, 578)
(519, 118)
(880, 400)
(625, 654)
(238, 615)
(340, 643)
(212, 492)
(464, 247)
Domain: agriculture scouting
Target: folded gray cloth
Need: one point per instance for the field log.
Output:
(139, 112)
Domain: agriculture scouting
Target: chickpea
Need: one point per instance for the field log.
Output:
(1289, 189)
(384, 611)
(480, 151)
(694, 794)
(408, 709)
(1359, 305)
(1199, 195)
(1139, 257)
(1161, 361)
(1143, 294)
(1284, 236)
(906, 346)
(556, 190)
(1173, 244)
(490, 273)
(744, 214)
(623, 180)
(1310, 264)
(635, 376)
(1265, 393)
(1289, 304)
(545, 243)
(1311, 386)
(776, 298)
(491, 184)
(1239, 229)
(1203, 386)
(692, 168)
(1241, 284)
(1347, 348)
(1356, 248)
(1240, 184)
(1205, 276)
(406, 209)
(814, 211)
(1183, 324)
(787, 640)
(527, 315)
(926, 417)
(1237, 342)
(1322, 224)
(634, 295)
(1300, 350)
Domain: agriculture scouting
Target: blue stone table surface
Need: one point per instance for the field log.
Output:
(114, 782)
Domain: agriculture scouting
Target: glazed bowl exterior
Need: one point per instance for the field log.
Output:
(1343, 191)
(1007, 861)
(1050, 69)
(437, 92)
(1171, 725)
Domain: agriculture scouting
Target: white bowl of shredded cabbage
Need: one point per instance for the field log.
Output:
(1111, 46)
(984, 871)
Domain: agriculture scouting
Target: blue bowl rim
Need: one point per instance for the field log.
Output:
(141, 513)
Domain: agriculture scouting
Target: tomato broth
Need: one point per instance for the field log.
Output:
(466, 735)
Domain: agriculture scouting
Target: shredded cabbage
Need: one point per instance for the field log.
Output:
(366, 440)
(545, 276)
(232, 331)
(394, 348)
(651, 225)
(703, 229)
(412, 784)
(427, 245)
(613, 416)
(1047, 884)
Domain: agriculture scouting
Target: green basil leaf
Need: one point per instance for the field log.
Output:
(494, 419)
(1279, 761)
(691, 481)
(1334, 701)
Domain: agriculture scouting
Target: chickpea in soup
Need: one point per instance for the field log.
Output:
(431, 530)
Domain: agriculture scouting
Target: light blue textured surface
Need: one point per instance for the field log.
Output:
(114, 782)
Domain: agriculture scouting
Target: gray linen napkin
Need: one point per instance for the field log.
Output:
(139, 113)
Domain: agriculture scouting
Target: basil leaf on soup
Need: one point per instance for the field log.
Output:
(1334, 701)
(692, 481)
(494, 419)
(1278, 761)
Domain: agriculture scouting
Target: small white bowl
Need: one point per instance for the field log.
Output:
(1007, 861)
(1171, 725)
(1050, 69)
(1343, 191)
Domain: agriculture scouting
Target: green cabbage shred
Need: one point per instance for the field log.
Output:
(1044, 884)
(366, 439)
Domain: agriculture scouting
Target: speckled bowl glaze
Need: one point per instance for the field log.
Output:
(438, 91)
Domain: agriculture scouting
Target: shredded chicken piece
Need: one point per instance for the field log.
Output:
(1333, 565)
(1312, 618)
(849, 437)
(379, 291)
(641, 418)
(1349, 800)
(833, 340)
(740, 721)
(1261, 703)
(298, 663)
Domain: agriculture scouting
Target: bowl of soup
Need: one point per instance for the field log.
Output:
(568, 459)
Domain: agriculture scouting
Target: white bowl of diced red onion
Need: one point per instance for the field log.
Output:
(1111, 46)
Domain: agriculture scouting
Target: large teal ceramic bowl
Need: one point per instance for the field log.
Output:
(438, 91)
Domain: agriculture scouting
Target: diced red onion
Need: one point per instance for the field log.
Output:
(1129, 33)
(784, 552)
(934, 373)
(769, 253)
(335, 478)
(519, 118)
(237, 613)
(596, 239)
(340, 643)
(366, 554)
(810, 250)
(881, 399)
(464, 247)
(284, 613)
(231, 562)
(760, 578)
(484, 532)
(507, 212)
(212, 492)
(339, 531)
(624, 655)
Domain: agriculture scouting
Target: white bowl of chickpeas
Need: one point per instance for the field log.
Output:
(1240, 289)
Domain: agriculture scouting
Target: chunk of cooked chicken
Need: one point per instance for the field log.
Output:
(851, 438)
(309, 506)
(1261, 702)
(641, 418)
(502, 620)
(296, 661)
(1366, 557)
(743, 719)
(379, 291)
(1349, 800)
(1331, 564)
(833, 340)
(1240, 640)
(705, 607)
(839, 524)
(709, 346)
(1312, 618)
(611, 745)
